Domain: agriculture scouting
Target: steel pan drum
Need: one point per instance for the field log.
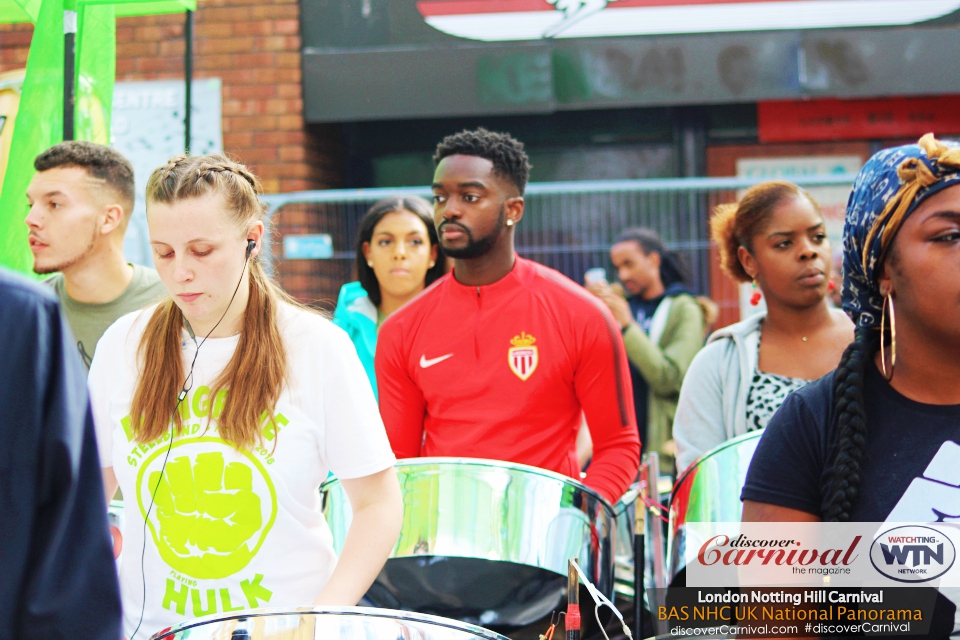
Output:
(623, 551)
(486, 542)
(325, 623)
(708, 491)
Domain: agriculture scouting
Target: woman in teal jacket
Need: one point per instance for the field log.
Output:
(398, 255)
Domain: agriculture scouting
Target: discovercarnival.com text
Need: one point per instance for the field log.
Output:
(736, 630)
(791, 630)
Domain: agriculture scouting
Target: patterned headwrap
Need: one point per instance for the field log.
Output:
(888, 189)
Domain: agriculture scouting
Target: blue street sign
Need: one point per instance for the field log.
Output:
(312, 246)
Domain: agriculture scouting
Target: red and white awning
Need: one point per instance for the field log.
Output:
(503, 20)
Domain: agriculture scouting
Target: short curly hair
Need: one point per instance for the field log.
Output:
(735, 224)
(99, 161)
(506, 153)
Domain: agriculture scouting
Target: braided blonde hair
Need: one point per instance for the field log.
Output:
(257, 371)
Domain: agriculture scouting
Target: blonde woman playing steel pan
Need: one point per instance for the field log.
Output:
(221, 410)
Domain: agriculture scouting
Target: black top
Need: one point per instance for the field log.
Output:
(642, 311)
(910, 471)
(58, 577)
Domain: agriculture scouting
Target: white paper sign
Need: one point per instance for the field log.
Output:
(832, 200)
(148, 128)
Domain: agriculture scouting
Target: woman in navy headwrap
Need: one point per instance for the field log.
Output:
(878, 440)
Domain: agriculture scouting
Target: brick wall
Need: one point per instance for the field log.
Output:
(253, 46)
(14, 45)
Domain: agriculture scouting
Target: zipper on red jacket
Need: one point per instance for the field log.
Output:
(476, 327)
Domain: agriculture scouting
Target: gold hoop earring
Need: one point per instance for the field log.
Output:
(888, 301)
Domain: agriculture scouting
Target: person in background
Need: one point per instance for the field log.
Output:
(663, 329)
(878, 440)
(81, 200)
(775, 238)
(502, 358)
(836, 292)
(59, 579)
(398, 255)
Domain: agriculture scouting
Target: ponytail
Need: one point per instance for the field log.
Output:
(851, 423)
(673, 269)
(159, 353)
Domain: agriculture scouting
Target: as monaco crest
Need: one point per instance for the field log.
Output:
(523, 357)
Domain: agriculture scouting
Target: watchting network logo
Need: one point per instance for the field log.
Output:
(912, 554)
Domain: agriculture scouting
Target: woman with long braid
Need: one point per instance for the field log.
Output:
(220, 411)
(878, 440)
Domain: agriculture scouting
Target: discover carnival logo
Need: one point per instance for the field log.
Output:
(505, 20)
(743, 551)
(912, 554)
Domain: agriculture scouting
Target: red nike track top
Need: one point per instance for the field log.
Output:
(504, 371)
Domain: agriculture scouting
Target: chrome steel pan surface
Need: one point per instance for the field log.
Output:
(486, 541)
(708, 491)
(325, 623)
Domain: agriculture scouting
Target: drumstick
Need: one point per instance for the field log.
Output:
(572, 620)
(639, 559)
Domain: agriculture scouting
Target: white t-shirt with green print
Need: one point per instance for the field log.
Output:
(233, 530)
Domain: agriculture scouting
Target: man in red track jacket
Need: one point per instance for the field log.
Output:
(500, 358)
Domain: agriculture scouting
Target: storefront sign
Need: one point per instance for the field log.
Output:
(832, 119)
(397, 59)
(502, 20)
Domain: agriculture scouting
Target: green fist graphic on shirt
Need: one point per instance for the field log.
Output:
(208, 515)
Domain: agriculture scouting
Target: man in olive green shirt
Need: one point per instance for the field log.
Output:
(81, 200)
(663, 327)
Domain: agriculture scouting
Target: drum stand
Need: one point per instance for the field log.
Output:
(649, 477)
(572, 620)
(639, 564)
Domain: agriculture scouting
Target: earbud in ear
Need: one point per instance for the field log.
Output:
(251, 245)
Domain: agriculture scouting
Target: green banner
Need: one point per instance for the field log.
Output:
(18, 11)
(39, 125)
(39, 122)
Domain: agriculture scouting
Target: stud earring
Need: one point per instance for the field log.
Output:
(432, 265)
(369, 263)
(831, 286)
(510, 222)
(755, 298)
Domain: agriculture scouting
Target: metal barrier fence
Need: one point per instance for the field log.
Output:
(568, 226)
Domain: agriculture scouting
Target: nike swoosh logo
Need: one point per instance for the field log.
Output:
(424, 363)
